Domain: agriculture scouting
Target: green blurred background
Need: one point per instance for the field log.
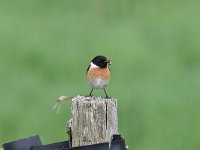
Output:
(45, 47)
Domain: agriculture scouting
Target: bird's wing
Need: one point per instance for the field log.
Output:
(88, 68)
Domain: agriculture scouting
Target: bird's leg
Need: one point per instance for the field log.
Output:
(91, 92)
(106, 93)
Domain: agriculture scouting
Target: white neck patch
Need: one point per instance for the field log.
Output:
(92, 65)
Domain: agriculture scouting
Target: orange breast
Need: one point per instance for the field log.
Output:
(94, 73)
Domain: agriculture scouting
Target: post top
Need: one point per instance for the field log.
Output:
(93, 98)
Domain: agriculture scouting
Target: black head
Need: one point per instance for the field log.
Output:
(101, 61)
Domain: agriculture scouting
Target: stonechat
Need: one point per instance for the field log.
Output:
(98, 73)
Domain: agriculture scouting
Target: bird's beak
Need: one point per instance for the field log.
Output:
(109, 61)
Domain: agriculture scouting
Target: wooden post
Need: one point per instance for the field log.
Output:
(94, 120)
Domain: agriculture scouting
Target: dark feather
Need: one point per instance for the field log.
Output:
(88, 68)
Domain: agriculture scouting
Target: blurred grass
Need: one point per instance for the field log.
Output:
(45, 47)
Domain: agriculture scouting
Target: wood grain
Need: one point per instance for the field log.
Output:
(94, 120)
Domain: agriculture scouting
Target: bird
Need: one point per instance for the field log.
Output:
(98, 73)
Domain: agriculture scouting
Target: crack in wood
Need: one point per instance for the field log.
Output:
(106, 115)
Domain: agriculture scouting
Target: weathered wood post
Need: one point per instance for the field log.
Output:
(94, 120)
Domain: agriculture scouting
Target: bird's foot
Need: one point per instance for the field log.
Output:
(88, 95)
(108, 97)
